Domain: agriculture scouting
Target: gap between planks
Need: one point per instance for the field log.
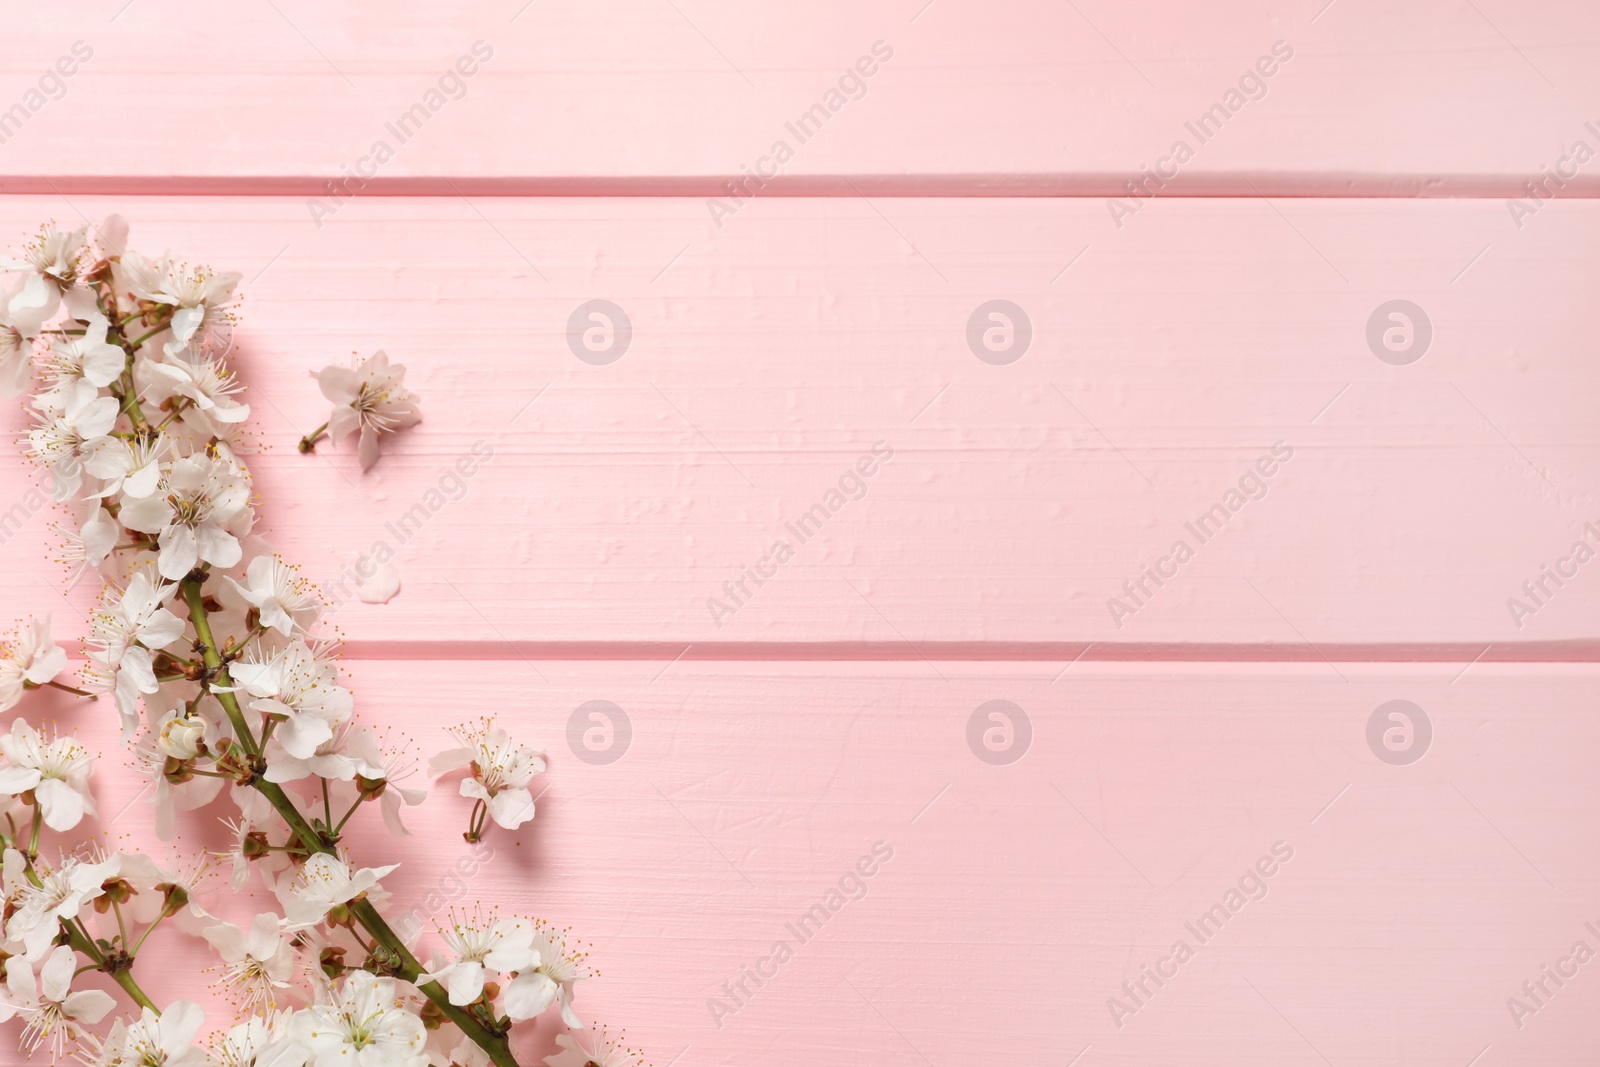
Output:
(1579, 651)
(1331, 186)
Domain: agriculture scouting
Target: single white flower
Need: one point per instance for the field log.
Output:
(130, 468)
(262, 1041)
(56, 770)
(88, 356)
(297, 683)
(60, 894)
(371, 398)
(31, 660)
(203, 380)
(363, 1025)
(258, 962)
(86, 547)
(285, 600)
(52, 1010)
(330, 760)
(165, 1040)
(202, 299)
(550, 980)
(65, 436)
(324, 882)
(501, 945)
(174, 889)
(192, 512)
(382, 770)
(23, 311)
(467, 1053)
(122, 635)
(500, 770)
(601, 1051)
(55, 254)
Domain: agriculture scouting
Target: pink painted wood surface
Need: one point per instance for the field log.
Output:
(1020, 897)
(768, 357)
(771, 351)
(1419, 98)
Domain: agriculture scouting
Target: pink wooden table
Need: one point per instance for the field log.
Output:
(1190, 746)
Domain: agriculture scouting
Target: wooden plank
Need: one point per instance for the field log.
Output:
(748, 790)
(768, 358)
(1425, 98)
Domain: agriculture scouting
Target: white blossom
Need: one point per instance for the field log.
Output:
(132, 469)
(370, 398)
(285, 600)
(201, 379)
(88, 356)
(23, 311)
(68, 431)
(499, 772)
(60, 894)
(261, 1041)
(201, 298)
(499, 945)
(550, 980)
(171, 797)
(48, 1004)
(257, 963)
(594, 1050)
(55, 769)
(193, 512)
(122, 635)
(56, 255)
(165, 1040)
(392, 765)
(362, 1024)
(324, 882)
(32, 659)
(300, 685)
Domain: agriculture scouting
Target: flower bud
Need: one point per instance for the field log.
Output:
(332, 961)
(173, 897)
(183, 737)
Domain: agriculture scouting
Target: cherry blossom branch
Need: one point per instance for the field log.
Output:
(137, 415)
(492, 1040)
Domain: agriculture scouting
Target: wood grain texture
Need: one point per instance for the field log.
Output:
(777, 337)
(1417, 99)
(769, 356)
(1020, 897)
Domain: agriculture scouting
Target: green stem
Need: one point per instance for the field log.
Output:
(122, 927)
(213, 657)
(142, 338)
(494, 1044)
(70, 689)
(82, 942)
(353, 809)
(309, 441)
(134, 951)
(125, 980)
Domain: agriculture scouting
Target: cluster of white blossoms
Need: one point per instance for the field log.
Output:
(206, 643)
